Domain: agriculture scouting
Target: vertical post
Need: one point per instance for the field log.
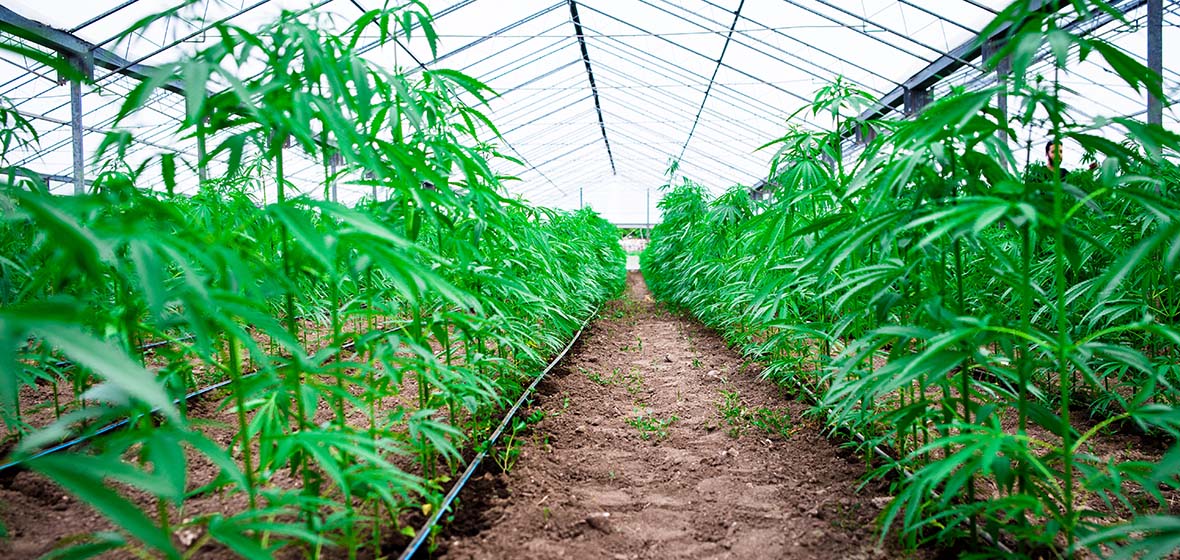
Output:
(76, 129)
(202, 168)
(1003, 68)
(648, 208)
(1155, 56)
(334, 166)
(1002, 71)
(915, 99)
(581, 205)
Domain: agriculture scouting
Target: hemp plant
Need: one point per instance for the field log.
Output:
(956, 304)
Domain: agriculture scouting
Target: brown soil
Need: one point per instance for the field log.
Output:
(589, 483)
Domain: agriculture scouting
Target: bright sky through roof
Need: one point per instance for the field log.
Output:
(653, 63)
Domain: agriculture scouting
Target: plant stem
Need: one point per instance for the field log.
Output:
(235, 373)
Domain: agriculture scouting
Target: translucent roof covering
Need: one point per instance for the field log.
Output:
(702, 82)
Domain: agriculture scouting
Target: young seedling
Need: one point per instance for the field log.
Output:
(634, 382)
(732, 413)
(650, 425)
(507, 456)
(604, 380)
(774, 422)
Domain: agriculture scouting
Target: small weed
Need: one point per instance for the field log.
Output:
(775, 422)
(739, 418)
(649, 425)
(507, 456)
(696, 363)
(604, 380)
(634, 382)
(846, 517)
(732, 412)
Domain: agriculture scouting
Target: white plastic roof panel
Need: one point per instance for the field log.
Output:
(703, 81)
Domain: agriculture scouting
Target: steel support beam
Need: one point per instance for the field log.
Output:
(88, 55)
(202, 165)
(916, 99)
(77, 132)
(946, 65)
(590, 74)
(1155, 56)
(48, 178)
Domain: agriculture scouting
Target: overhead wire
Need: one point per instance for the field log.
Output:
(737, 14)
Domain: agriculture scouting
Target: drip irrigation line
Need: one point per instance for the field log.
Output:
(737, 15)
(19, 463)
(65, 364)
(111, 427)
(427, 528)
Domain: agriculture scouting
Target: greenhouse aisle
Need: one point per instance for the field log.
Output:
(636, 457)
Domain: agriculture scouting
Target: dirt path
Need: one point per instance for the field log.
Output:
(635, 459)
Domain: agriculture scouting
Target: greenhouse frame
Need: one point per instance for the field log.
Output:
(590, 278)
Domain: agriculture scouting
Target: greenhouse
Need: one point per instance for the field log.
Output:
(590, 279)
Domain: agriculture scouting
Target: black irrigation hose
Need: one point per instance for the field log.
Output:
(63, 364)
(111, 427)
(427, 528)
(66, 364)
(18, 463)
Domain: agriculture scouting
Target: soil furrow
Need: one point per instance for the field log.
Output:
(653, 441)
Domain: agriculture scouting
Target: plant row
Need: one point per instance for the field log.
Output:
(986, 319)
(366, 348)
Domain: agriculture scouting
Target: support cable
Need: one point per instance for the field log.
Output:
(781, 55)
(773, 109)
(735, 98)
(590, 74)
(806, 45)
(737, 14)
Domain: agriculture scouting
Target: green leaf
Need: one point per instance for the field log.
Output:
(82, 475)
(111, 364)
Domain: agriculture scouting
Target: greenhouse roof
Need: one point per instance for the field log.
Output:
(596, 97)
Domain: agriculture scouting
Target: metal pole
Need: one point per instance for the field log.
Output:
(1155, 56)
(648, 205)
(580, 204)
(334, 165)
(76, 128)
(202, 168)
(1003, 68)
